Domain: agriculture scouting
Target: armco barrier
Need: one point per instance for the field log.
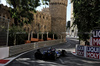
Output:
(4, 52)
(13, 50)
(92, 52)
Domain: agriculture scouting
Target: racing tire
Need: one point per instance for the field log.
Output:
(45, 56)
(63, 53)
(38, 55)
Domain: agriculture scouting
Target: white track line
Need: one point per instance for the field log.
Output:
(61, 61)
(68, 45)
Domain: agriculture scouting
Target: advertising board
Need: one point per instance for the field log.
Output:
(80, 50)
(92, 52)
(95, 38)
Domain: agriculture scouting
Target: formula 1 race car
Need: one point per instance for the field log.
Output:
(50, 54)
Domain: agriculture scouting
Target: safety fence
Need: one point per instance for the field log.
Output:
(14, 50)
(4, 26)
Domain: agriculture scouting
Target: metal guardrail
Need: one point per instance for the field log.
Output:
(14, 50)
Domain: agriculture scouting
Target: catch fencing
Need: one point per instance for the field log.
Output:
(14, 50)
(4, 31)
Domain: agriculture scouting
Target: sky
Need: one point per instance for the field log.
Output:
(68, 11)
(43, 6)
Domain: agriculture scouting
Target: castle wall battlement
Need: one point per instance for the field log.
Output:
(59, 2)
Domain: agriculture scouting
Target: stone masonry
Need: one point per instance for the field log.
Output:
(4, 12)
(41, 23)
(58, 17)
(52, 19)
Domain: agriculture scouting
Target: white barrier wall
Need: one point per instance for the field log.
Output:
(88, 51)
(4, 52)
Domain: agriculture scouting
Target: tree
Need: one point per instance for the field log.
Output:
(22, 8)
(45, 2)
(86, 15)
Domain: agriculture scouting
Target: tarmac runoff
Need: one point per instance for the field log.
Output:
(13, 58)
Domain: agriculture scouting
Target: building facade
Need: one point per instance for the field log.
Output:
(52, 19)
(41, 23)
(4, 13)
(58, 17)
(73, 30)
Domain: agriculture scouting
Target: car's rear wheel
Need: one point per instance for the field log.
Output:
(63, 53)
(45, 56)
(38, 55)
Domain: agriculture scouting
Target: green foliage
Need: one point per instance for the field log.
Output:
(16, 33)
(86, 15)
(22, 8)
(20, 38)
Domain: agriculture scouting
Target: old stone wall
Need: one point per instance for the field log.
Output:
(41, 23)
(52, 19)
(5, 13)
(58, 17)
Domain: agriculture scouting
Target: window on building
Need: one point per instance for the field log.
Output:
(45, 27)
(0, 15)
(46, 17)
(36, 16)
(28, 29)
(40, 16)
(35, 31)
(38, 24)
(43, 17)
(3, 17)
(8, 18)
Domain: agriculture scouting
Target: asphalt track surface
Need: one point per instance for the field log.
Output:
(70, 60)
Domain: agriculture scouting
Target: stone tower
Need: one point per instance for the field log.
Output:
(58, 17)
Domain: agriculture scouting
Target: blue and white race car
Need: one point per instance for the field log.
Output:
(51, 54)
